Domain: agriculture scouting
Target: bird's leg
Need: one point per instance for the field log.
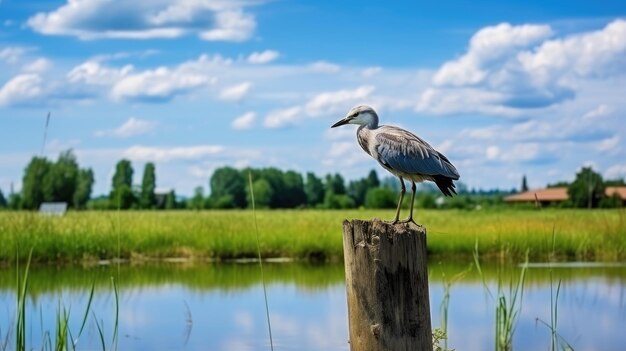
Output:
(402, 191)
(413, 188)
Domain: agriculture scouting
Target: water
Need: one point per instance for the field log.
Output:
(170, 306)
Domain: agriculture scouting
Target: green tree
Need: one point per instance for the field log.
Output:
(62, 179)
(15, 201)
(147, 199)
(314, 189)
(524, 186)
(293, 194)
(35, 174)
(381, 197)
(3, 200)
(335, 184)
(197, 201)
(587, 190)
(276, 179)
(170, 200)
(83, 188)
(358, 189)
(263, 194)
(228, 184)
(121, 191)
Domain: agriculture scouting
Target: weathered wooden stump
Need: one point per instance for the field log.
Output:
(387, 286)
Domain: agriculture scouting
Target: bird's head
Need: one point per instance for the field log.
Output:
(361, 115)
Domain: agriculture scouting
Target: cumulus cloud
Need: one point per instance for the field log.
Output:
(336, 101)
(39, 65)
(132, 127)
(21, 89)
(140, 19)
(324, 67)
(263, 57)
(488, 46)
(235, 92)
(12, 54)
(94, 73)
(283, 117)
(165, 154)
(608, 144)
(508, 70)
(616, 171)
(601, 111)
(245, 121)
(325, 103)
(158, 84)
(231, 26)
(371, 71)
(161, 84)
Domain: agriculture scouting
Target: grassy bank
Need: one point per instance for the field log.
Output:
(306, 234)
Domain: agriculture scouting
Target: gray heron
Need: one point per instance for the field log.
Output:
(402, 153)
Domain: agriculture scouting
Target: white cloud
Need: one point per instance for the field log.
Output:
(325, 103)
(231, 26)
(616, 171)
(511, 70)
(283, 117)
(12, 54)
(486, 46)
(589, 54)
(263, 57)
(371, 71)
(165, 154)
(337, 101)
(601, 111)
(324, 67)
(235, 92)
(93, 72)
(39, 65)
(245, 121)
(161, 84)
(23, 88)
(608, 144)
(132, 127)
(492, 152)
(130, 19)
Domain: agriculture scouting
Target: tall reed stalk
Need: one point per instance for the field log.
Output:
(258, 246)
(508, 304)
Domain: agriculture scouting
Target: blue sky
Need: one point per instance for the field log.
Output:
(502, 88)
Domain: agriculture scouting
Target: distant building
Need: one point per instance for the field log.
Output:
(552, 196)
(53, 208)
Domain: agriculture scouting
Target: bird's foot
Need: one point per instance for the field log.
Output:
(395, 221)
(409, 220)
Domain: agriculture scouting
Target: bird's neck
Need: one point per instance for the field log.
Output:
(372, 123)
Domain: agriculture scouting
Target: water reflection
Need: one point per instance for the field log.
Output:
(220, 306)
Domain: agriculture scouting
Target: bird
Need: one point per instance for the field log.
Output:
(402, 153)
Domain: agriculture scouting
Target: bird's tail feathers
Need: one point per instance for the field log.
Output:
(445, 184)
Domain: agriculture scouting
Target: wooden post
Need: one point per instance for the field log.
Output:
(387, 286)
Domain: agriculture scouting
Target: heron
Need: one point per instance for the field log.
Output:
(402, 153)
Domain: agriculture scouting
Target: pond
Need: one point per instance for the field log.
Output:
(182, 306)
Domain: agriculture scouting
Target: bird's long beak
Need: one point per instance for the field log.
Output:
(346, 120)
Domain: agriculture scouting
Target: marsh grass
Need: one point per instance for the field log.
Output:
(508, 299)
(64, 339)
(305, 234)
(557, 342)
(442, 332)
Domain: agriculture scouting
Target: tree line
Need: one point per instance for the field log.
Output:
(48, 181)
(65, 181)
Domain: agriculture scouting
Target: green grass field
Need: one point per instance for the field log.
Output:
(305, 234)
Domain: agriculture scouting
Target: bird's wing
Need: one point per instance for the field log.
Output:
(406, 152)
